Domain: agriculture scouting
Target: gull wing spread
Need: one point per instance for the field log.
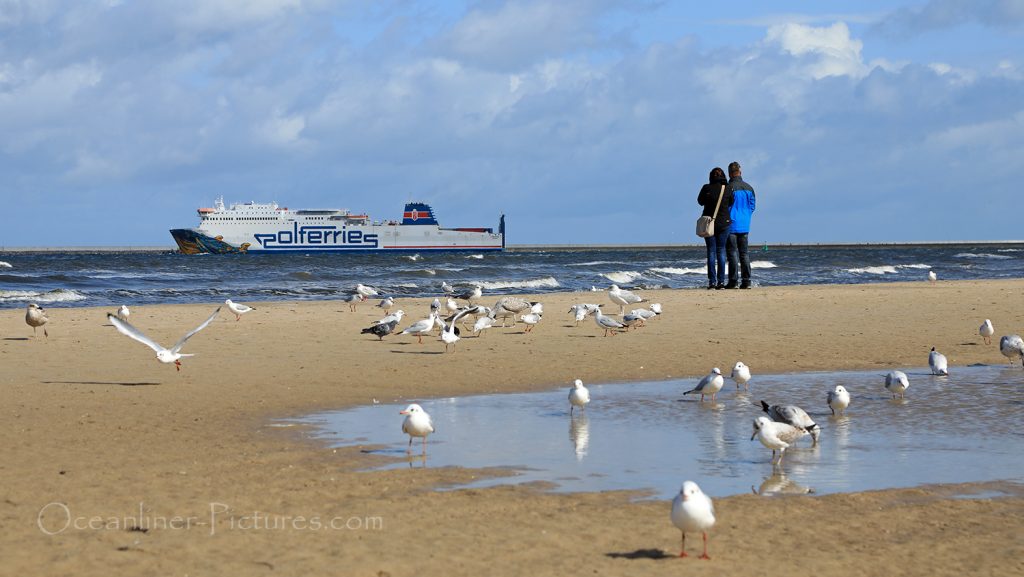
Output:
(125, 328)
(181, 343)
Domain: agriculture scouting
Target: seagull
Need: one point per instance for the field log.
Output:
(451, 305)
(537, 308)
(897, 383)
(381, 329)
(709, 385)
(740, 374)
(475, 311)
(645, 314)
(511, 305)
(986, 330)
(776, 436)
(795, 416)
(386, 304)
(36, 317)
(656, 308)
(366, 291)
(395, 316)
(580, 311)
(632, 320)
(838, 398)
(421, 327)
(692, 512)
(531, 321)
(607, 323)
(236, 308)
(623, 298)
(579, 396)
(447, 288)
(172, 355)
(435, 307)
(482, 324)
(417, 423)
(932, 277)
(937, 362)
(450, 333)
(474, 294)
(123, 313)
(353, 300)
(1011, 346)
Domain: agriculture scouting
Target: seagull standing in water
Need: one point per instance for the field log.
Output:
(1012, 346)
(164, 355)
(36, 317)
(986, 330)
(839, 399)
(238, 309)
(709, 385)
(740, 374)
(447, 288)
(932, 277)
(776, 436)
(417, 423)
(579, 396)
(123, 313)
(897, 383)
(693, 512)
(623, 297)
(938, 363)
(793, 415)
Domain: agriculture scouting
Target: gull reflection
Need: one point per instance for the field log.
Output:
(780, 484)
(579, 434)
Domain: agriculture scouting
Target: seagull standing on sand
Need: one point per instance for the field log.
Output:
(382, 329)
(838, 398)
(417, 423)
(986, 330)
(693, 512)
(656, 308)
(1011, 346)
(740, 374)
(386, 304)
(938, 363)
(435, 307)
(471, 295)
(579, 396)
(607, 323)
(793, 415)
(709, 385)
(366, 291)
(36, 317)
(531, 321)
(164, 355)
(450, 333)
(353, 300)
(123, 313)
(932, 277)
(238, 309)
(451, 305)
(395, 316)
(896, 382)
(421, 327)
(580, 311)
(776, 436)
(482, 324)
(623, 297)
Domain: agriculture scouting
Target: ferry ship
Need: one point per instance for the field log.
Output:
(253, 227)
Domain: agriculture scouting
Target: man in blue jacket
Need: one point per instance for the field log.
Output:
(742, 209)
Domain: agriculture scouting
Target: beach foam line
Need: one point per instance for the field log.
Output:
(54, 296)
(623, 277)
(680, 271)
(981, 255)
(546, 282)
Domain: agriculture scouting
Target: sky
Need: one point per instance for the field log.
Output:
(582, 121)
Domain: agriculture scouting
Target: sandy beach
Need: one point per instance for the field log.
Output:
(135, 467)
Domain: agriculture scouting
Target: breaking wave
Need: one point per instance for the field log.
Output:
(54, 296)
(623, 277)
(546, 282)
(981, 255)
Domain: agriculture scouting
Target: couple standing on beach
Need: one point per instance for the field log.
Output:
(732, 225)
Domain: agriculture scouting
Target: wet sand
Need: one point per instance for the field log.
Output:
(94, 427)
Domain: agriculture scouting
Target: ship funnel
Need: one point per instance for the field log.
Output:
(418, 213)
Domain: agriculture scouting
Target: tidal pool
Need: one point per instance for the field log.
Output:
(966, 427)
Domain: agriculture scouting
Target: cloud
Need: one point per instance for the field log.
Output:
(941, 14)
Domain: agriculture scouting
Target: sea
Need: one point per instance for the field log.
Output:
(106, 278)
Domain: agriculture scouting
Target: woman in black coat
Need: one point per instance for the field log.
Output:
(708, 198)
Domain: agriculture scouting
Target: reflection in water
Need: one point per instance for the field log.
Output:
(579, 434)
(644, 437)
(779, 484)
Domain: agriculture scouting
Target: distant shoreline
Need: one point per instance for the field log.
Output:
(540, 247)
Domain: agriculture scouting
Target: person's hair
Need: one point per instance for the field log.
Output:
(716, 174)
(734, 168)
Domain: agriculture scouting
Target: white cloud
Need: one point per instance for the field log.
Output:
(827, 51)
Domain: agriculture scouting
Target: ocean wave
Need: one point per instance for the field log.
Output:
(762, 264)
(596, 262)
(672, 270)
(623, 277)
(413, 257)
(5, 264)
(1011, 250)
(914, 266)
(476, 256)
(54, 296)
(546, 282)
(981, 255)
(887, 269)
